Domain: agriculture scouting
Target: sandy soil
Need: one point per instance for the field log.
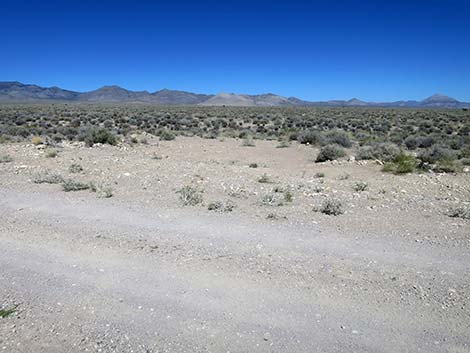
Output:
(139, 272)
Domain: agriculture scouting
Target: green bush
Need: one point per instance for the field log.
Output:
(338, 137)
(99, 136)
(381, 151)
(447, 166)
(435, 154)
(166, 135)
(401, 164)
(311, 137)
(330, 153)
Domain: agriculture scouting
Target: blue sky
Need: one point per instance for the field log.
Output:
(316, 50)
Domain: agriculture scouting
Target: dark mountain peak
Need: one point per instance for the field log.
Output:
(355, 101)
(440, 98)
(111, 88)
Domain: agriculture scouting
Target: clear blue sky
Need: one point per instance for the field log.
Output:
(372, 50)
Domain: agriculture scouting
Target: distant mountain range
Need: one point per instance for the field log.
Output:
(19, 92)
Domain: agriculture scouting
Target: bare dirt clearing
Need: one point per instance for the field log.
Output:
(139, 272)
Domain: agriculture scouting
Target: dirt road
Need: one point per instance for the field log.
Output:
(97, 275)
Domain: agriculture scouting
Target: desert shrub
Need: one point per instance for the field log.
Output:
(101, 191)
(460, 211)
(447, 166)
(338, 137)
(425, 141)
(75, 168)
(311, 137)
(411, 142)
(36, 140)
(5, 312)
(381, 151)
(264, 179)
(360, 186)
(436, 153)
(253, 165)
(331, 207)
(401, 164)
(51, 154)
(47, 177)
(99, 136)
(330, 153)
(271, 199)
(220, 206)
(72, 185)
(190, 195)
(248, 141)
(6, 158)
(166, 135)
(283, 144)
(288, 196)
(465, 161)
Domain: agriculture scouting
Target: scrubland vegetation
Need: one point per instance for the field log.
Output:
(403, 139)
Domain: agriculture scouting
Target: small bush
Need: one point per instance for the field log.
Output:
(7, 312)
(72, 185)
(338, 137)
(311, 137)
(47, 177)
(190, 195)
(99, 136)
(36, 140)
(435, 154)
(264, 179)
(283, 144)
(75, 168)
(411, 142)
(270, 200)
(360, 186)
(166, 135)
(447, 166)
(381, 151)
(401, 164)
(253, 165)
(330, 153)
(51, 154)
(288, 196)
(101, 190)
(331, 207)
(461, 211)
(6, 158)
(220, 206)
(465, 161)
(248, 141)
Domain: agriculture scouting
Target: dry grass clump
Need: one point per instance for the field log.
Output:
(190, 195)
(331, 207)
(47, 177)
